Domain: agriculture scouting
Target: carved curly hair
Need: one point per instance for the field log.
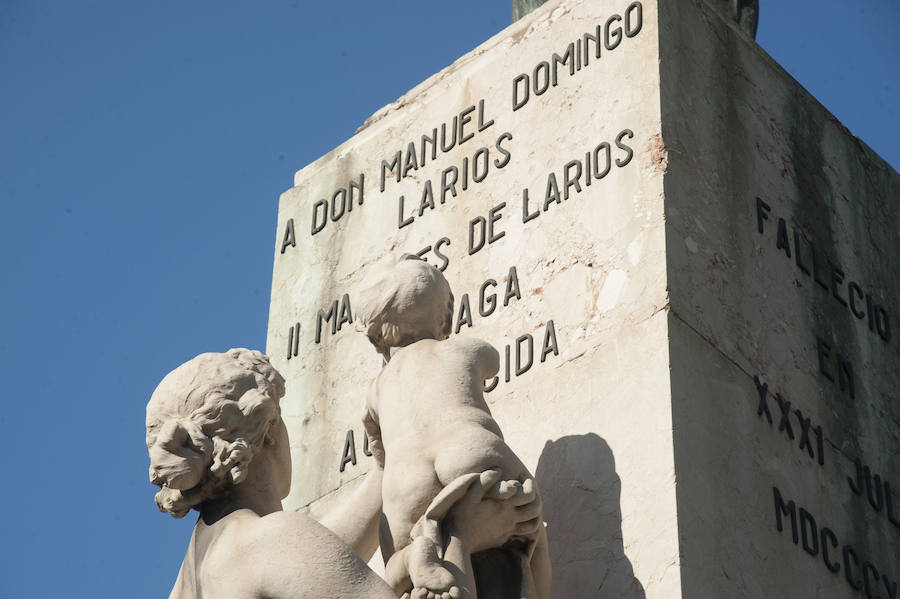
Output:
(205, 420)
(404, 302)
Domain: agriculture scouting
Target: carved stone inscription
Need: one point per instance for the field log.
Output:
(437, 188)
(868, 573)
(533, 174)
(783, 281)
(525, 174)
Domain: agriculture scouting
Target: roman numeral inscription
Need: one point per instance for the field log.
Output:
(809, 438)
(843, 559)
(868, 576)
(293, 341)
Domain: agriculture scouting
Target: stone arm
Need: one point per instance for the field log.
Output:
(355, 520)
(287, 555)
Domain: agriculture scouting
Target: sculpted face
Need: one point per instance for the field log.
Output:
(208, 422)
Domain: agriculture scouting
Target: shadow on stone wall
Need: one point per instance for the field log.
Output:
(581, 491)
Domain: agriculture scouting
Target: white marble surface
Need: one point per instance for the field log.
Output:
(665, 299)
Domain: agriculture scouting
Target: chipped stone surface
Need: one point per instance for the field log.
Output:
(656, 472)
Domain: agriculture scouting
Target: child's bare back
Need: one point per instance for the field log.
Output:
(435, 425)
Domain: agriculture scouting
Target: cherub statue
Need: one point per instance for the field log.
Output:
(428, 421)
(218, 445)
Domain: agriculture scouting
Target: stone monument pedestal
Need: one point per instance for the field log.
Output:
(689, 268)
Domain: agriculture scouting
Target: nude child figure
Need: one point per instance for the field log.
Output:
(427, 419)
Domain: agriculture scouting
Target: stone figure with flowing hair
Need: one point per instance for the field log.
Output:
(218, 445)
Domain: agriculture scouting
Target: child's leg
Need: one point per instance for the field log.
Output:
(427, 571)
(407, 489)
(396, 571)
(417, 570)
(417, 539)
(428, 565)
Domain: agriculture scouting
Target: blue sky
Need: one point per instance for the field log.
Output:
(143, 146)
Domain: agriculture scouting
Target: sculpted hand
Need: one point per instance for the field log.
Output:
(493, 511)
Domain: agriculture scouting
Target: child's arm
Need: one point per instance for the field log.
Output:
(371, 426)
(487, 358)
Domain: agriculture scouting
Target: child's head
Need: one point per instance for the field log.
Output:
(404, 302)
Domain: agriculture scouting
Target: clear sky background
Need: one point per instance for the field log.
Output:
(143, 147)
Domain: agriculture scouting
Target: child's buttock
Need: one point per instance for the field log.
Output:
(473, 450)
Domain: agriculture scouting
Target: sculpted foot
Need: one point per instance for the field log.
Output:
(431, 580)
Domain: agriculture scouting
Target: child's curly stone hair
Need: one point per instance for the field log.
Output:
(404, 302)
(205, 421)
